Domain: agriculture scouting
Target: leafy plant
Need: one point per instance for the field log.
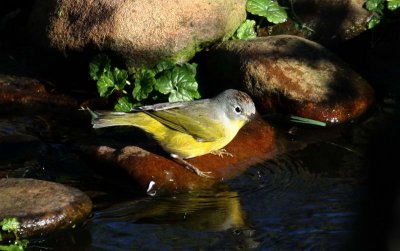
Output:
(11, 225)
(164, 82)
(270, 9)
(379, 8)
(266, 9)
(246, 30)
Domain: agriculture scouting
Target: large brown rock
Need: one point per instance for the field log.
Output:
(156, 172)
(325, 21)
(42, 207)
(141, 32)
(290, 74)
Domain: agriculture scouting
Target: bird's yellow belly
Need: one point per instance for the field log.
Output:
(181, 144)
(185, 146)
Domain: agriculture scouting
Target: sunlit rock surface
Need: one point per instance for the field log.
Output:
(141, 32)
(42, 207)
(291, 74)
(156, 172)
(324, 21)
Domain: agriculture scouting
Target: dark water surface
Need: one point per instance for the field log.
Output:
(315, 197)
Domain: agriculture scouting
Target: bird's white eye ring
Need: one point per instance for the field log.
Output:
(238, 109)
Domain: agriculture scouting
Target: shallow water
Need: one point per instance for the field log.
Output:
(313, 197)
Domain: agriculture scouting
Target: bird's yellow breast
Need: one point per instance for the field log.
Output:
(186, 146)
(175, 142)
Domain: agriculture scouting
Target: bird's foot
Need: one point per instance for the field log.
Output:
(221, 153)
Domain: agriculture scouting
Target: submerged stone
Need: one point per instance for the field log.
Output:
(156, 172)
(29, 93)
(141, 32)
(290, 74)
(42, 207)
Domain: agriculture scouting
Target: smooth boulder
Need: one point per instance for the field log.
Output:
(289, 74)
(42, 207)
(156, 172)
(328, 22)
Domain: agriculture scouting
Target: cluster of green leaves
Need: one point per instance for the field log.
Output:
(268, 9)
(11, 225)
(378, 8)
(164, 82)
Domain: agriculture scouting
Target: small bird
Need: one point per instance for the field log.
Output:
(187, 129)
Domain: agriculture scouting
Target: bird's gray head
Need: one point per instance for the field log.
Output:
(236, 104)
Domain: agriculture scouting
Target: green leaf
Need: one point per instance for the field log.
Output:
(184, 92)
(19, 245)
(393, 4)
(375, 5)
(144, 84)
(269, 9)
(12, 225)
(123, 105)
(120, 78)
(374, 21)
(163, 66)
(9, 224)
(179, 83)
(12, 247)
(246, 30)
(302, 120)
(99, 64)
(105, 85)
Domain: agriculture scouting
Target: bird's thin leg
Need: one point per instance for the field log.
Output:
(191, 167)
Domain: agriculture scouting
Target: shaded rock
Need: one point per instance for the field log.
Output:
(29, 92)
(157, 172)
(328, 22)
(42, 207)
(141, 32)
(290, 74)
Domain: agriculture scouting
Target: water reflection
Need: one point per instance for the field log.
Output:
(206, 218)
(198, 211)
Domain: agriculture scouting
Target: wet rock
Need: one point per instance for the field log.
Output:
(42, 207)
(156, 172)
(29, 93)
(141, 32)
(290, 74)
(325, 21)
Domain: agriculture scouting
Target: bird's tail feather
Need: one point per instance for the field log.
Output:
(102, 119)
(106, 119)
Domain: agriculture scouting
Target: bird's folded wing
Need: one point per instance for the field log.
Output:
(195, 122)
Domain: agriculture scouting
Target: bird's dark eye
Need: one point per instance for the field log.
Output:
(238, 109)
